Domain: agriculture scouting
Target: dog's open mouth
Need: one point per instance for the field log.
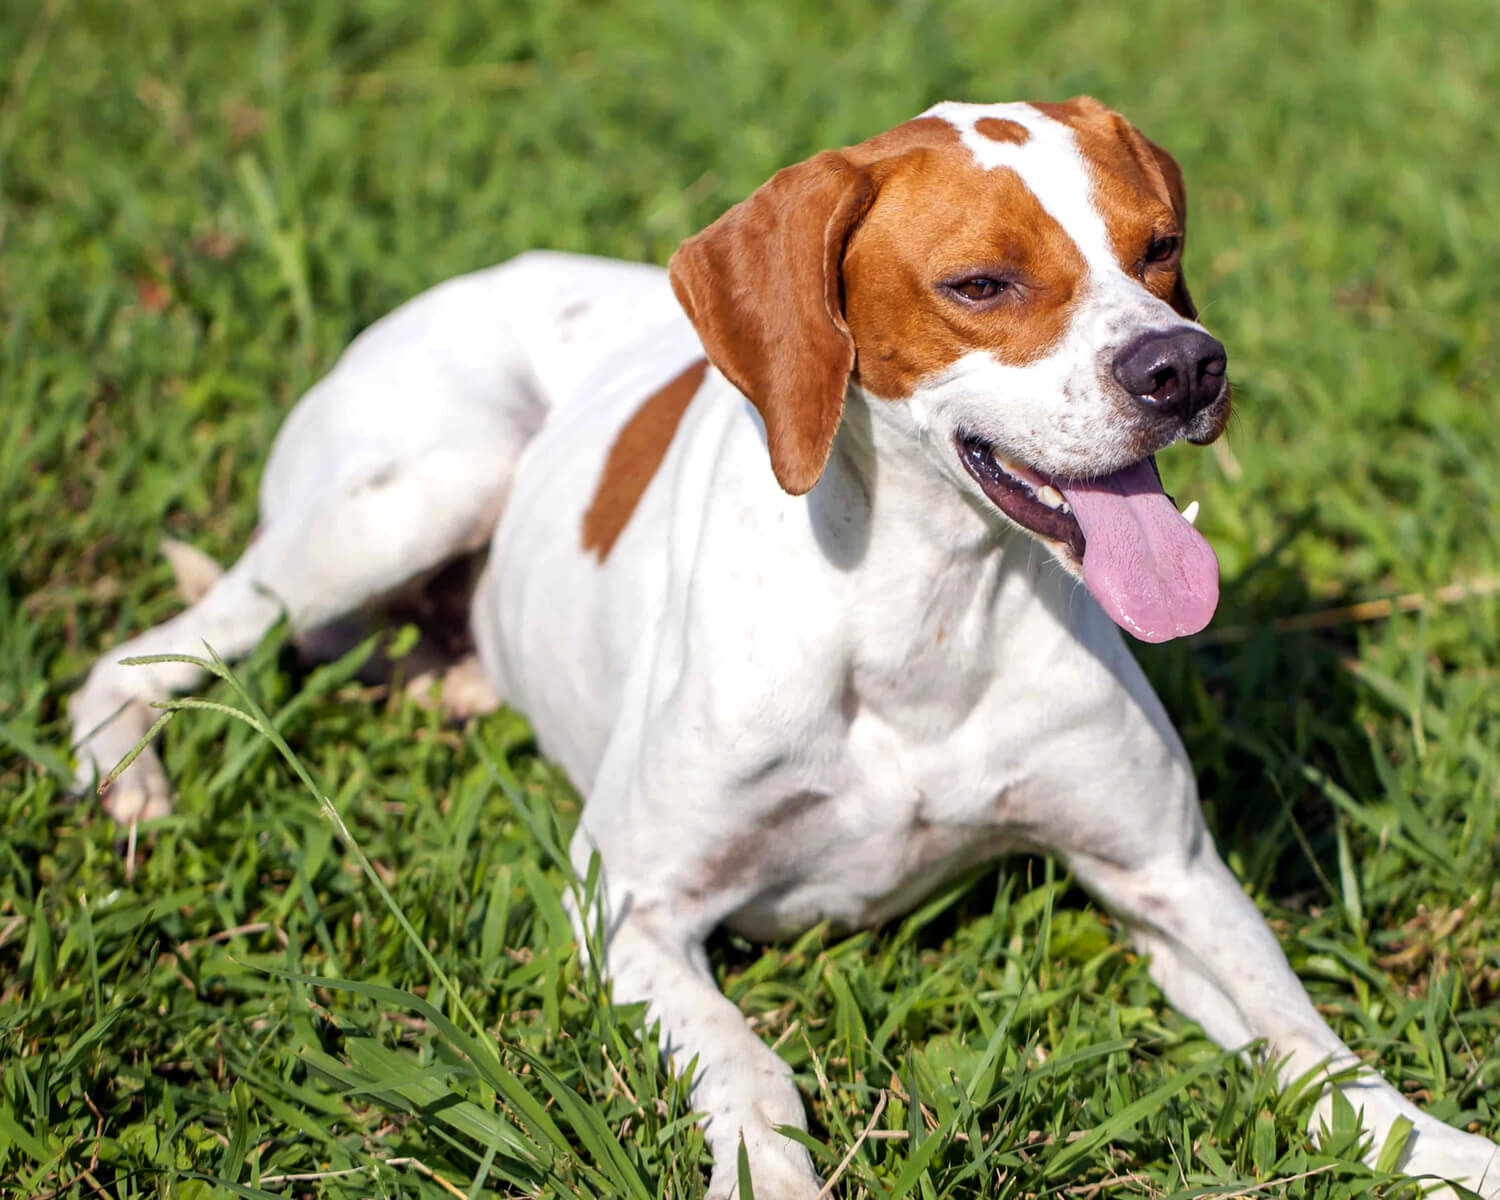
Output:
(1152, 572)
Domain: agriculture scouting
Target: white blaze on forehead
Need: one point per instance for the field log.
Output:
(1048, 162)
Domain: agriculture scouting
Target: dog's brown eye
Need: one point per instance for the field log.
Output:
(978, 288)
(1163, 249)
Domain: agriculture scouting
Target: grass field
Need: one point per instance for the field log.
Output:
(200, 204)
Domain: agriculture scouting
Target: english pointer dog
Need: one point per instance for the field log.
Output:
(784, 545)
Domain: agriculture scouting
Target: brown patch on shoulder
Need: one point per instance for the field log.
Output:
(998, 129)
(633, 460)
(1137, 188)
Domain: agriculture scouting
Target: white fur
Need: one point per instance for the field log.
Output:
(782, 710)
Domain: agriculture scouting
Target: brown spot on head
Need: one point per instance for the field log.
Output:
(1000, 130)
(1139, 191)
(634, 457)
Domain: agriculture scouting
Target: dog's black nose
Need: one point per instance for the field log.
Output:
(1175, 372)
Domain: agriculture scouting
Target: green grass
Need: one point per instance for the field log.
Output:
(200, 204)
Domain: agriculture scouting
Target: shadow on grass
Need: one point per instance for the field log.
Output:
(1256, 709)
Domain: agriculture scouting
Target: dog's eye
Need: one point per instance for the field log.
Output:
(1163, 249)
(979, 288)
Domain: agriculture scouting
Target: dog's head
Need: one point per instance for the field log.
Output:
(1011, 273)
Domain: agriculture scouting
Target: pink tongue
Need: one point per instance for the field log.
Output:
(1154, 574)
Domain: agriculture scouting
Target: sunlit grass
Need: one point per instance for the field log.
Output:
(199, 205)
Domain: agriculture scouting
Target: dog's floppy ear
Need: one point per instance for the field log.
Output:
(763, 286)
(1172, 173)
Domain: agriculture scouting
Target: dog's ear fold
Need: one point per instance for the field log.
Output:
(763, 286)
(1172, 174)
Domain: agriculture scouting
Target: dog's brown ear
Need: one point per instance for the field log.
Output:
(1172, 173)
(763, 287)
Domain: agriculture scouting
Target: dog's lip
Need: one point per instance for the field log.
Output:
(1015, 489)
(1151, 571)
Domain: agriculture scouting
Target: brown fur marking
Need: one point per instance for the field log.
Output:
(972, 219)
(761, 286)
(633, 460)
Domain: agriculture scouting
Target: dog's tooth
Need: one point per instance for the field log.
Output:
(1190, 513)
(1050, 496)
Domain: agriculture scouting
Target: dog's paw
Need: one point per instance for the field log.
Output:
(461, 691)
(141, 791)
(773, 1176)
(765, 1189)
(1432, 1151)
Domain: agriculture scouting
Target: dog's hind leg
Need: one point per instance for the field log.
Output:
(342, 550)
(1218, 961)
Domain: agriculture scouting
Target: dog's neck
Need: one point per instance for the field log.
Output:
(954, 594)
(893, 509)
(917, 509)
(886, 447)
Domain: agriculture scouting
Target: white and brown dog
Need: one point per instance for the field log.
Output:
(955, 348)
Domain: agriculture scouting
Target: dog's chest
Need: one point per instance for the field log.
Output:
(904, 817)
(937, 760)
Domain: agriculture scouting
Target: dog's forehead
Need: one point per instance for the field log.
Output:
(1087, 168)
(1045, 155)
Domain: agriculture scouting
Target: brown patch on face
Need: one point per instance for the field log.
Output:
(938, 216)
(831, 271)
(1137, 188)
(633, 460)
(920, 133)
(1000, 130)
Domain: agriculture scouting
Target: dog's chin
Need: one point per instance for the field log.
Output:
(1207, 425)
(1024, 496)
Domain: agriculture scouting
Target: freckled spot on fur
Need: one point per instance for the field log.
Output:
(744, 856)
(848, 700)
(1000, 130)
(383, 477)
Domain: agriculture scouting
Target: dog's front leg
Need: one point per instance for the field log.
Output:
(743, 1087)
(653, 954)
(1217, 960)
